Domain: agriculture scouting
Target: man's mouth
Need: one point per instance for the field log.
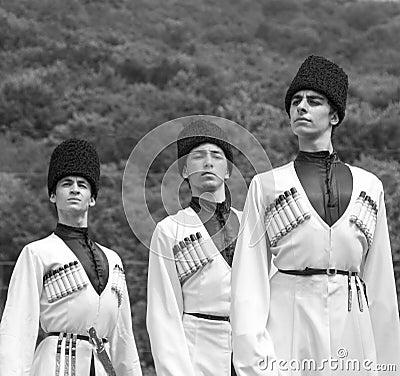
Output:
(302, 119)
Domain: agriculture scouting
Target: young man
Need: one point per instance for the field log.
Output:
(324, 224)
(74, 287)
(191, 255)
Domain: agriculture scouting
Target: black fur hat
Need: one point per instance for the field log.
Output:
(74, 157)
(200, 132)
(324, 76)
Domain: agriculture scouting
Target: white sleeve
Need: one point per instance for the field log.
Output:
(20, 322)
(123, 351)
(165, 309)
(381, 291)
(253, 349)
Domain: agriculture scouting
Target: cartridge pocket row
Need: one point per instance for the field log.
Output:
(286, 213)
(190, 256)
(64, 281)
(118, 282)
(364, 215)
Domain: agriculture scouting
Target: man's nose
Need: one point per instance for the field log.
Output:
(302, 106)
(208, 161)
(74, 187)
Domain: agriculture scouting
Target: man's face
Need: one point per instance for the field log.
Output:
(73, 195)
(206, 169)
(311, 115)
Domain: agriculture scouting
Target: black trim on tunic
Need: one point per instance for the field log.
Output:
(327, 182)
(90, 255)
(221, 222)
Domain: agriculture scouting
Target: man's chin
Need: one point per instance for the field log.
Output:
(77, 208)
(212, 186)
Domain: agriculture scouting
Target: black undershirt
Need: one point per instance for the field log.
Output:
(92, 258)
(220, 222)
(327, 182)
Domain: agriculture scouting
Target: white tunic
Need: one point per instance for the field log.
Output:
(184, 345)
(292, 318)
(27, 304)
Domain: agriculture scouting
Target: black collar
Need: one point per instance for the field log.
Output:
(198, 204)
(317, 157)
(70, 232)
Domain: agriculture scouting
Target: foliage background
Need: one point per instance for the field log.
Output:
(110, 71)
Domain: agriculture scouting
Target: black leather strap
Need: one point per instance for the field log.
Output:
(208, 317)
(314, 271)
(78, 336)
(330, 272)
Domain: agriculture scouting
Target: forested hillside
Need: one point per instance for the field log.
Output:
(111, 71)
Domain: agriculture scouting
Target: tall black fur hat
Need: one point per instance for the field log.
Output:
(324, 76)
(199, 132)
(74, 157)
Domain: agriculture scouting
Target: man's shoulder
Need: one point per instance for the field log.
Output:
(42, 247)
(173, 219)
(276, 171)
(43, 243)
(267, 180)
(360, 174)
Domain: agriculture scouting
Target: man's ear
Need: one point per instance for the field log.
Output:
(227, 174)
(52, 198)
(185, 174)
(92, 201)
(334, 118)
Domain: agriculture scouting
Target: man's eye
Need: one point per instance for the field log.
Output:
(295, 102)
(313, 102)
(82, 185)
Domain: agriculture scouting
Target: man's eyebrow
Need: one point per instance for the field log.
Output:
(66, 180)
(311, 96)
(208, 150)
(315, 96)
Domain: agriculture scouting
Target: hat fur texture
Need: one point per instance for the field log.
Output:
(323, 76)
(201, 132)
(74, 157)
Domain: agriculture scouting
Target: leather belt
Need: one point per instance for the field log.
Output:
(331, 272)
(314, 271)
(78, 336)
(208, 317)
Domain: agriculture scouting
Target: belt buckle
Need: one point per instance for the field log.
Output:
(331, 271)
